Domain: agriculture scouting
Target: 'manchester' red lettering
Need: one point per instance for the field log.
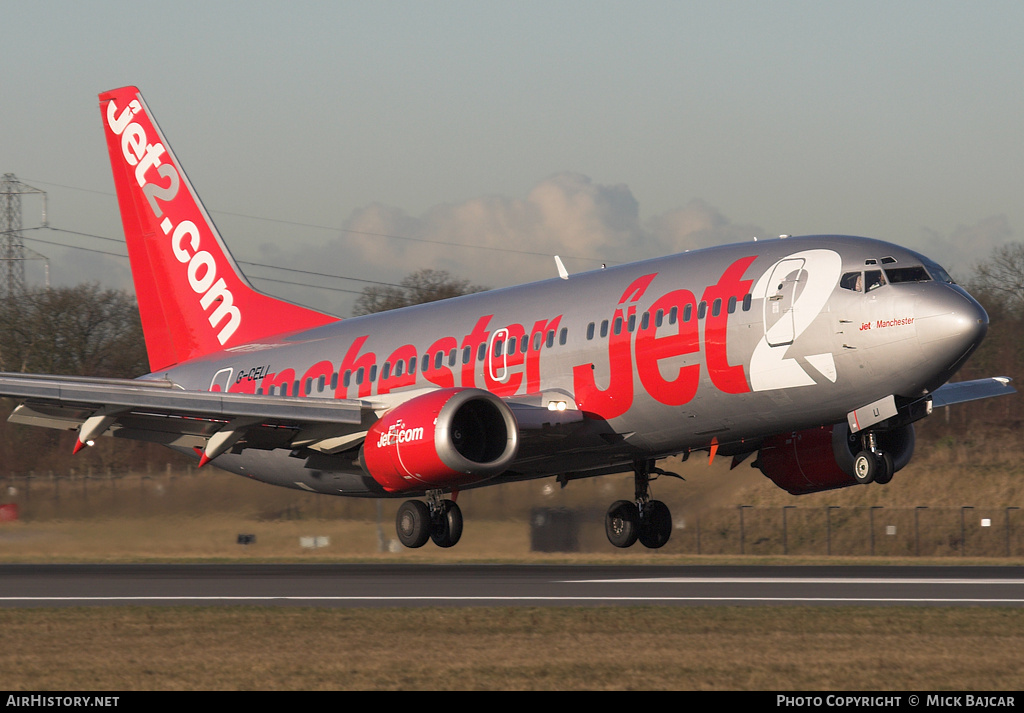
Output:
(604, 391)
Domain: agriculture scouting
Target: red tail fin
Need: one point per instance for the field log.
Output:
(193, 299)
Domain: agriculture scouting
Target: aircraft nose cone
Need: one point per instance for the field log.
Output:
(951, 321)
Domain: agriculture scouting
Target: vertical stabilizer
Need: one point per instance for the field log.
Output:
(193, 299)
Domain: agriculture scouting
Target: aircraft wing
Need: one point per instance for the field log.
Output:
(213, 422)
(959, 392)
(162, 412)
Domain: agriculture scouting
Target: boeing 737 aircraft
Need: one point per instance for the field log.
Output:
(812, 355)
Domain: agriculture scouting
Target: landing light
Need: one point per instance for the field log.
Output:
(556, 406)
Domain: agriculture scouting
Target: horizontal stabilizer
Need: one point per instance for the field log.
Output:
(962, 391)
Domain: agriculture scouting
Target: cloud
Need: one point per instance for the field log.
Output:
(500, 241)
(698, 225)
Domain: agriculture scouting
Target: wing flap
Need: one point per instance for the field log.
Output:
(162, 397)
(161, 412)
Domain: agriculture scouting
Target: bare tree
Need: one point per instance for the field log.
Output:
(82, 331)
(1001, 278)
(424, 285)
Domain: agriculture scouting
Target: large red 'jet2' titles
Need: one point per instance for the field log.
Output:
(814, 355)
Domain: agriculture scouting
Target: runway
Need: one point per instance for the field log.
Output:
(401, 585)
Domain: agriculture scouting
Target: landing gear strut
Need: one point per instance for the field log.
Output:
(437, 519)
(645, 519)
(871, 465)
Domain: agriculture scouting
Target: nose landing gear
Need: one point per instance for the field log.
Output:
(871, 465)
(646, 520)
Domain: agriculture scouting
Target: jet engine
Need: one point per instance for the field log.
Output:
(822, 458)
(442, 439)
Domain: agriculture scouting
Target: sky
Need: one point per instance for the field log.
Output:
(370, 139)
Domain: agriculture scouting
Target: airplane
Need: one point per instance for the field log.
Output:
(814, 356)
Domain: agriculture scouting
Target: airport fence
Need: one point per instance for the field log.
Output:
(571, 525)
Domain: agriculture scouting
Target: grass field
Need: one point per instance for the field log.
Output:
(629, 648)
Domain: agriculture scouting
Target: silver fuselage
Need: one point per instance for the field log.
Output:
(719, 348)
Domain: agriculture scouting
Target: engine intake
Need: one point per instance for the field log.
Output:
(822, 458)
(446, 438)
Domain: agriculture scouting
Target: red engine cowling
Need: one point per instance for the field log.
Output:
(443, 439)
(822, 458)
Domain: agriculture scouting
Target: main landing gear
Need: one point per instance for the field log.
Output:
(437, 519)
(649, 521)
(871, 465)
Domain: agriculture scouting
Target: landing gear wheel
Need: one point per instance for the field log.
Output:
(885, 469)
(622, 523)
(413, 523)
(865, 467)
(446, 525)
(655, 525)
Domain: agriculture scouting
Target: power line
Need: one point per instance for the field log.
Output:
(364, 233)
(241, 262)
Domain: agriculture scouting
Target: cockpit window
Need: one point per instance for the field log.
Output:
(907, 274)
(939, 274)
(852, 281)
(874, 279)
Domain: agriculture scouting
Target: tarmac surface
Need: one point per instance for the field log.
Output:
(413, 585)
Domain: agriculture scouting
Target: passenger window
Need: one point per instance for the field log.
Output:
(604, 328)
(563, 336)
(748, 299)
(590, 331)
